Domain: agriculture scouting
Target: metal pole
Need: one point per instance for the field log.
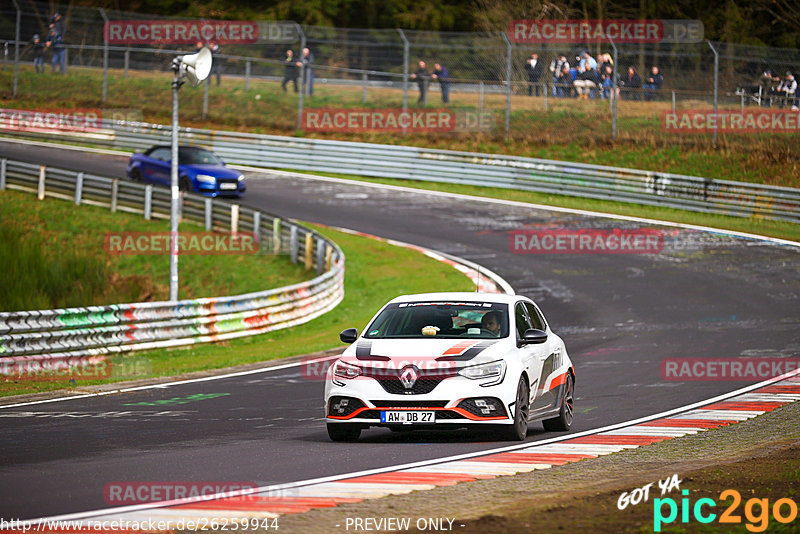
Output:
(716, 90)
(302, 74)
(174, 191)
(105, 57)
(480, 95)
(16, 48)
(673, 101)
(508, 84)
(364, 87)
(127, 60)
(246, 75)
(205, 97)
(405, 68)
(614, 92)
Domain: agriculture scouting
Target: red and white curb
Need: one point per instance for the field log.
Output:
(276, 501)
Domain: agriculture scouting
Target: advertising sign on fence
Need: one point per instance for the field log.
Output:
(191, 31)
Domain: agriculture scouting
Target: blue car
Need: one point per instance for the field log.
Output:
(199, 171)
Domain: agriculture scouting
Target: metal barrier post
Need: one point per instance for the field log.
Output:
(234, 218)
(276, 235)
(508, 84)
(302, 77)
(246, 75)
(364, 87)
(16, 48)
(545, 95)
(114, 193)
(209, 213)
(673, 101)
(105, 57)
(3, 163)
(42, 172)
(293, 244)
(320, 256)
(148, 202)
(257, 227)
(716, 89)
(79, 188)
(614, 90)
(127, 61)
(205, 97)
(405, 69)
(480, 95)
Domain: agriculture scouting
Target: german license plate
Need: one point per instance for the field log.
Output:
(408, 416)
(227, 185)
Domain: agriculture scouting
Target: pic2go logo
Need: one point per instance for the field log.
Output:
(756, 511)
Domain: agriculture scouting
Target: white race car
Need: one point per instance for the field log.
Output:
(451, 360)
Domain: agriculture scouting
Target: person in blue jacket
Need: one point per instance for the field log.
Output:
(440, 73)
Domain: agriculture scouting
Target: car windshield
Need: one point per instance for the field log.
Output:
(440, 319)
(197, 156)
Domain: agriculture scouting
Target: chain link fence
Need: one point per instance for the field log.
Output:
(370, 69)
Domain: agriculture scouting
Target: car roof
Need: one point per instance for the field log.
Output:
(180, 147)
(461, 296)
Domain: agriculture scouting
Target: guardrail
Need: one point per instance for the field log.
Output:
(64, 334)
(510, 172)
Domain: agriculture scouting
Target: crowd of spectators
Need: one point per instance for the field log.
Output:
(587, 77)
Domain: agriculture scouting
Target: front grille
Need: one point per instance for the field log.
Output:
(370, 414)
(484, 407)
(440, 414)
(339, 406)
(409, 404)
(421, 386)
(426, 380)
(447, 414)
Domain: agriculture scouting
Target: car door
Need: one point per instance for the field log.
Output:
(536, 354)
(529, 354)
(159, 166)
(547, 357)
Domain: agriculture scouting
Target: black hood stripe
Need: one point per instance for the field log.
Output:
(364, 352)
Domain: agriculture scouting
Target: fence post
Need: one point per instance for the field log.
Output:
(42, 172)
(480, 95)
(79, 188)
(293, 244)
(276, 235)
(105, 57)
(209, 214)
(206, 83)
(405, 69)
(716, 89)
(614, 96)
(508, 84)
(246, 75)
(309, 251)
(3, 163)
(364, 87)
(148, 202)
(234, 218)
(127, 60)
(320, 256)
(257, 228)
(302, 77)
(673, 101)
(16, 48)
(114, 194)
(545, 95)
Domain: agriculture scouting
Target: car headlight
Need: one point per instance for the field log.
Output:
(241, 178)
(206, 179)
(346, 370)
(492, 370)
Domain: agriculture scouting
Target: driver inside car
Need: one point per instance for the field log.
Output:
(491, 322)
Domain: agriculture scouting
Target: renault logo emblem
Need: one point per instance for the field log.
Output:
(409, 377)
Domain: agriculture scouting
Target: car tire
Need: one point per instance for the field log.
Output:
(519, 430)
(136, 175)
(563, 422)
(184, 184)
(343, 432)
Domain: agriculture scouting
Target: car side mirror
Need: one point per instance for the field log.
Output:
(349, 336)
(534, 336)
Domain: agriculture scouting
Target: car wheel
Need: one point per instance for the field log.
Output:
(343, 432)
(184, 184)
(564, 420)
(136, 175)
(522, 408)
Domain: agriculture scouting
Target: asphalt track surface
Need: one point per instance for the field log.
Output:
(704, 295)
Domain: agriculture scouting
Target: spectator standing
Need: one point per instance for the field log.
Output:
(58, 23)
(788, 88)
(216, 62)
(443, 75)
(534, 69)
(607, 82)
(38, 53)
(605, 61)
(632, 83)
(556, 67)
(652, 84)
(290, 65)
(55, 42)
(564, 82)
(422, 77)
(308, 71)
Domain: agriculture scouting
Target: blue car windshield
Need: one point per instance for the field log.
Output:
(462, 320)
(197, 156)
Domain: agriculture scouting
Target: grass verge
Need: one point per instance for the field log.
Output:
(375, 273)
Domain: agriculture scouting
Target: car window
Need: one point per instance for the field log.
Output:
(536, 318)
(440, 319)
(521, 318)
(197, 156)
(162, 154)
